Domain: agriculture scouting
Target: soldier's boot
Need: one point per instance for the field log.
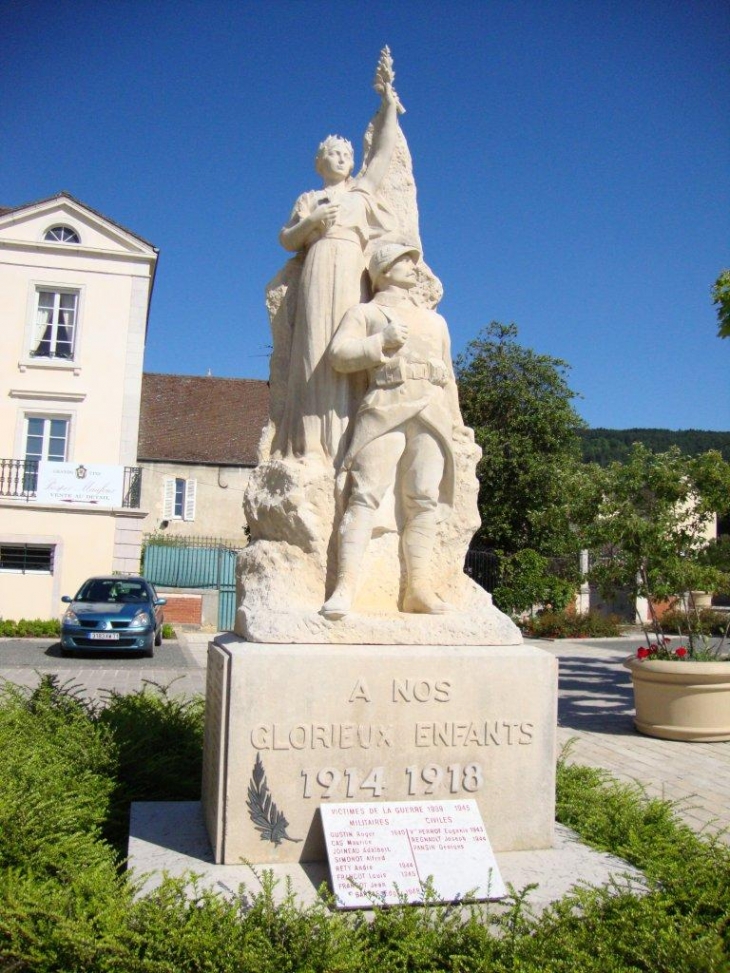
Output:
(355, 533)
(419, 537)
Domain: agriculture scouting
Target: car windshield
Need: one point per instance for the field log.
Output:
(112, 591)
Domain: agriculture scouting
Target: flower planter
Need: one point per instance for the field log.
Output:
(702, 599)
(681, 700)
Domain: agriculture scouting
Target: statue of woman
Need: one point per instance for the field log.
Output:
(334, 229)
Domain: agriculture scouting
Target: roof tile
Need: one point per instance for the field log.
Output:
(198, 419)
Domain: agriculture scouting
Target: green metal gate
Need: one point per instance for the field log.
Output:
(227, 591)
(195, 562)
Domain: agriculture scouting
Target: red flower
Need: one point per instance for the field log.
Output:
(642, 652)
(680, 652)
(653, 649)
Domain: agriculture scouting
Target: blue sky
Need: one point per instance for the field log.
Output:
(572, 163)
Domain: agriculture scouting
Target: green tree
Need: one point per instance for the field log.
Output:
(646, 521)
(520, 406)
(604, 446)
(721, 298)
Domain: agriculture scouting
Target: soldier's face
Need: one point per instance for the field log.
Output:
(400, 274)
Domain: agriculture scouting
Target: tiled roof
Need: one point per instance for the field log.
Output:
(196, 419)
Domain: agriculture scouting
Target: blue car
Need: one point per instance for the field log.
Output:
(119, 612)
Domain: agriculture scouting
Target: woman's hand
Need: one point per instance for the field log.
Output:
(387, 94)
(324, 215)
(383, 83)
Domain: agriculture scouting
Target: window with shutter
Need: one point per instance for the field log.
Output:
(190, 491)
(168, 498)
(179, 499)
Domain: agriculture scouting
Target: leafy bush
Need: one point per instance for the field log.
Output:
(704, 622)
(527, 579)
(688, 875)
(30, 628)
(159, 744)
(57, 769)
(571, 625)
(42, 628)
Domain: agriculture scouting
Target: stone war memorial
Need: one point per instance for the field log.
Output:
(366, 667)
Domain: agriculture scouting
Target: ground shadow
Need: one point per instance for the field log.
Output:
(595, 696)
(56, 652)
(171, 836)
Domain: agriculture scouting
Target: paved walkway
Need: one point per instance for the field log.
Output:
(178, 666)
(595, 717)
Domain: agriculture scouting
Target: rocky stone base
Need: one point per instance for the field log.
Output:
(476, 622)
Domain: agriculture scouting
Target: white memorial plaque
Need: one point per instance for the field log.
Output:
(386, 852)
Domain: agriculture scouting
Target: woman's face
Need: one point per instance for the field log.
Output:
(335, 162)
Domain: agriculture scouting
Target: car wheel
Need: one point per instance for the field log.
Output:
(158, 636)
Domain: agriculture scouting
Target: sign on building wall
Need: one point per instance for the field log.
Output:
(80, 483)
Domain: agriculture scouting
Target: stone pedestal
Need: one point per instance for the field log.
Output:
(290, 727)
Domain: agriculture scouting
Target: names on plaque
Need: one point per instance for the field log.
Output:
(386, 852)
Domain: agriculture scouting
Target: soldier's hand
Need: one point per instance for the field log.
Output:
(394, 334)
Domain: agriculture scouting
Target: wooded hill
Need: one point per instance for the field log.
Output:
(604, 446)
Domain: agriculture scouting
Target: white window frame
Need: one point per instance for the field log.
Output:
(47, 419)
(30, 343)
(171, 485)
(39, 410)
(65, 227)
(50, 331)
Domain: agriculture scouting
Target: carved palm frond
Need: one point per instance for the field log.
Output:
(268, 820)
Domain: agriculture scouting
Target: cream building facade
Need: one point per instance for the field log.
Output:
(75, 290)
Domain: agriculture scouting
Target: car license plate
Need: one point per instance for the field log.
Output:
(105, 636)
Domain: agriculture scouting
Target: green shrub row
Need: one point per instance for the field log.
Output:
(30, 628)
(68, 771)
(48, 628)
(571, 625)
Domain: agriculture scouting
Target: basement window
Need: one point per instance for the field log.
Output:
(26, 558)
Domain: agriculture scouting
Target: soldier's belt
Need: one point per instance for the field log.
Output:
(398, 371)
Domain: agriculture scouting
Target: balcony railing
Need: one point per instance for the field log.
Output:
(19, 479)
(132, 490)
